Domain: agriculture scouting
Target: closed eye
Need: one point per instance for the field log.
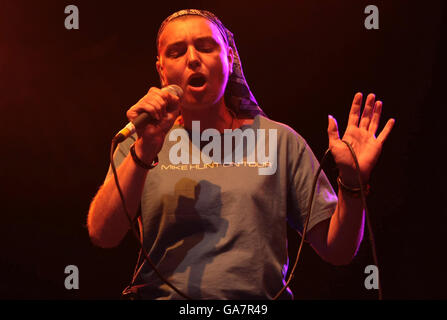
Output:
(175, 50)
(207, 44)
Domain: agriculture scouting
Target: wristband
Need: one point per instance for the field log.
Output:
(354, 192)
(139, 162)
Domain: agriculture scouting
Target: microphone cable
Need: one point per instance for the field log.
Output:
(367, 217)
(303, 236)
(134, 231)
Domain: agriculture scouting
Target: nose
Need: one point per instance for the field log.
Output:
(193, 58)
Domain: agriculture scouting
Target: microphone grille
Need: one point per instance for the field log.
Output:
(174, 89)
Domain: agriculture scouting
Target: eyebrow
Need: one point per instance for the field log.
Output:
(200, 39)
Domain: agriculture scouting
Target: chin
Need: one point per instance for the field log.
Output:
(192, 103)
(195, 107)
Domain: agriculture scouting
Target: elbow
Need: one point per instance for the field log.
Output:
(336, 258)
(98, 237)
(339, 260)
(101, 242)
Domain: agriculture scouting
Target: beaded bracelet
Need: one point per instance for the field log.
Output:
(354, 192)
(139, 162)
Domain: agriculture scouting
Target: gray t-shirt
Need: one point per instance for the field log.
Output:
(218, 230)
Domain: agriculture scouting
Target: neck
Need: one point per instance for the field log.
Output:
(214, 117)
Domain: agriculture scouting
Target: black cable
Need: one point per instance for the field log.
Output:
(303, 236)
(368, 220)
(136, 270)
(135, 233)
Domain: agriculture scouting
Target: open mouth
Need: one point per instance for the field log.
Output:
(197, 81)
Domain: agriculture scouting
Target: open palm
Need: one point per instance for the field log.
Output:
(361, 135)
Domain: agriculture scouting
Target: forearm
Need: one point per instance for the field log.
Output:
(345, 229)
(339, 240)
(107, 222)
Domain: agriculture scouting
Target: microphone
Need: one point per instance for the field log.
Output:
(144, 118)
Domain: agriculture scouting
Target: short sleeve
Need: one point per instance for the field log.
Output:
(303, 166)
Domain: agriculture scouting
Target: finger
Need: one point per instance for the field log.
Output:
(160, 95)
(375, 118)
(354, 113)
(332, 130)
(153, 108)
(171, 100)
(367, 112)
(386, 131)
(136, 110)
(159, 103)
(153, 90)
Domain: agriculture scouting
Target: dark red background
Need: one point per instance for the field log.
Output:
(64, 94)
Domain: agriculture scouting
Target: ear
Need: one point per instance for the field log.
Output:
(230, 57)
(160, 71)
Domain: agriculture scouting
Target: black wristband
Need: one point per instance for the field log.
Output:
(353, 191)
(139, 162)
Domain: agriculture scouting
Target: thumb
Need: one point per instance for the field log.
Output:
(173, 103)
(170, 118)
(332, 129)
